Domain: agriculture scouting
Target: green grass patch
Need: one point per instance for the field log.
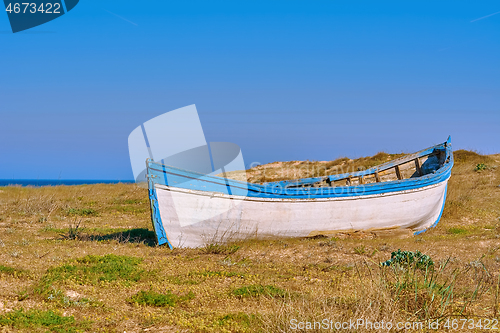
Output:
(152, 298)
(233, 320)
(258, 290)
(47, 320)
(12, 271)
(457, 231)
(81, 212)
(92, 270)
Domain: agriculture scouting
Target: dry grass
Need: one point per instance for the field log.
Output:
(83, 258)
(279, 171)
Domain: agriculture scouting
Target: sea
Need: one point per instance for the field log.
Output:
(57, 182)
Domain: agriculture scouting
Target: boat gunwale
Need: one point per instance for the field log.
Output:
(276, 189)
(297, 200)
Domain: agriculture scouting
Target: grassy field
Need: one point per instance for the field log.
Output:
(83, 259)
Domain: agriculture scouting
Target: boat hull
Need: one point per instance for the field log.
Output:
(261, 218)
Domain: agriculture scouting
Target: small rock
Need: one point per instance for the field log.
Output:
(73, 295)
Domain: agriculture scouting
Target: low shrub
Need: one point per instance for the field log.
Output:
(480, 167)
(408, 258)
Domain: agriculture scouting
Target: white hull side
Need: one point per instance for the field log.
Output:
(250, 217)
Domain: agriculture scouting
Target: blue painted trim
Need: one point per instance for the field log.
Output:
(161, 235)
(165, 180)
(189, 181)
(439, 217)
(379, 168)
(196, 181)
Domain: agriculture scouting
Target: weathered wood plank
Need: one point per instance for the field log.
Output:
(418, 166)
(398, 173)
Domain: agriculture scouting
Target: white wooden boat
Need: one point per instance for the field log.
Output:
(191, 209)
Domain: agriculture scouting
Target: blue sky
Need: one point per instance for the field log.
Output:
(285, 80)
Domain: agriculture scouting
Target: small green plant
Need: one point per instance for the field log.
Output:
(408, 258)
(74, 230)
(219, 249)
(46, 320)
(480, 167)
(431, 293)
(22, 295)
(360, 250)
(257, 290)
(152, 298)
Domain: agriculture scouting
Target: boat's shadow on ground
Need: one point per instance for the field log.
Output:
(137, 235)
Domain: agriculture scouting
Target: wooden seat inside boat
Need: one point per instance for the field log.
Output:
(406, 167)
